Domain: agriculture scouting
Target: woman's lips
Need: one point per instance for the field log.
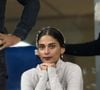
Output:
(47, 58)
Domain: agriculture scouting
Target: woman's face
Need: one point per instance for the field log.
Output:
(49, 49)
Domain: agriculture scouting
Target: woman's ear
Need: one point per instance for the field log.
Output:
(62, 50)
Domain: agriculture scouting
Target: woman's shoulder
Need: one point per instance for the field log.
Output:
(72, 66)
(29, 72)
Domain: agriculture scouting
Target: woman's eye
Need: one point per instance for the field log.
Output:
(41, 47)
(52, 46)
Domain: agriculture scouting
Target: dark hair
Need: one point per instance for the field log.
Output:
(54, 32)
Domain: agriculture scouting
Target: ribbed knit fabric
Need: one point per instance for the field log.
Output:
(66, 76)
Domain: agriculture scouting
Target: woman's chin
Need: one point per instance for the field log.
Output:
(47, 61)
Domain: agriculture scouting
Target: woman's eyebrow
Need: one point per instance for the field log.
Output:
(48, 43)
(52, 43)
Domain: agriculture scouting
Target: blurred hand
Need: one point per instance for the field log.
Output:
(51, 65)
(45, 66)
(7, 40)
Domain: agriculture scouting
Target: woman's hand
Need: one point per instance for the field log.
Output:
(51, 65)
(45, 66)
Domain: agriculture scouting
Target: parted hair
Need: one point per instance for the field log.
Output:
(52, 31)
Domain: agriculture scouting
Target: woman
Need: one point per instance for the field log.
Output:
(53, 73)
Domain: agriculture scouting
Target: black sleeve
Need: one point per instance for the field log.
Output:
(84, 49)
(28, 18)
(2, 16)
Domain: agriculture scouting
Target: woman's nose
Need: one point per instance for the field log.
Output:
(46, 50)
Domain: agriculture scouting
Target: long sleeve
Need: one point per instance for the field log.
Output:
(28, 18)
(30, 80)
(2, 16)
(41, 85)
(91, 48)
(74, 78)
(53, 79)
(26, 80)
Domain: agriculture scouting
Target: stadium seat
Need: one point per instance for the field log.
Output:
(18, 59)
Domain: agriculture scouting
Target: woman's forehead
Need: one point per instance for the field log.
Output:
(47, 40)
